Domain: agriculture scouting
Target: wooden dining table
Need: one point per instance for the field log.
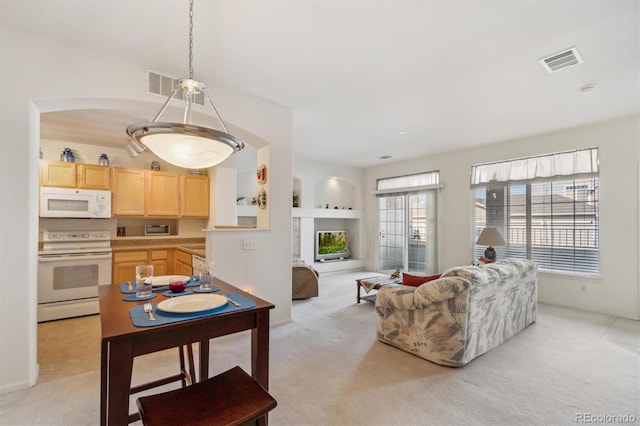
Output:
(122, 341)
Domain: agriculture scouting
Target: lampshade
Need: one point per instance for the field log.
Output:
(490, 237)
(185, 144)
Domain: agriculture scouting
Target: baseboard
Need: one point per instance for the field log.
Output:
(14, 387)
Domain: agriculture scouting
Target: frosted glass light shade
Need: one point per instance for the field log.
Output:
(186, 145)
(135, 148)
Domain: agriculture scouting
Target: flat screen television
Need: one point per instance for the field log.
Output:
(331, 245)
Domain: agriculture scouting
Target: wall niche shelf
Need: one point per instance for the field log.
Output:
(335, 266)
(327, 213)
(247, 210)
(321, 188)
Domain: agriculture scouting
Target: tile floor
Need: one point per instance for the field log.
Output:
(68, 347)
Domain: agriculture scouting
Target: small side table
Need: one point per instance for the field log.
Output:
(373, 283)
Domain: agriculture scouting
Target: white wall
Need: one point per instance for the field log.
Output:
(59, 76)
(266, 270)
(616, 292)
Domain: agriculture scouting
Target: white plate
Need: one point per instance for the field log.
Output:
(166, 279)
(192, 303)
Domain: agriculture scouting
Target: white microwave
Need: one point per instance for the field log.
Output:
(74, 203)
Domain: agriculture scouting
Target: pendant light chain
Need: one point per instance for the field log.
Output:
(191, 39)
(185, 144)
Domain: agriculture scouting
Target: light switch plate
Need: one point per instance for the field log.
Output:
(249, 244)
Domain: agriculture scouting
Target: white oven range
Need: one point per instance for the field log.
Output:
(71, 266)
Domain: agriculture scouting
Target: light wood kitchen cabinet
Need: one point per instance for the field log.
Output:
(57, 173)
(74, 175)
(194, 196)
(152, 193)
(92, 176)
(162, 196)
(128, 198)
(160, 261)
(182, 263)
(124, 265)
(125, 262)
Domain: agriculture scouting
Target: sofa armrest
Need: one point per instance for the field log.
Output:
(439, 290)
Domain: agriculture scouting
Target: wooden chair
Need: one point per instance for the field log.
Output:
(230, 398)
(186, 376)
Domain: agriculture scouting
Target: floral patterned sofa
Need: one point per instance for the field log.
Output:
(468, 311)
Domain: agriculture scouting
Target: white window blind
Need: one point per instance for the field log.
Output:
(569, 163)
(552, 220)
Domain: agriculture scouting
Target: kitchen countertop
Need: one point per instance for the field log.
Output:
(193, 245)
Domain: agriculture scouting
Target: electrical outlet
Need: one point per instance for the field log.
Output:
(249, 244)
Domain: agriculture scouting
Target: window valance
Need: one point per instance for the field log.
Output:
(568, 163)
(402, 185)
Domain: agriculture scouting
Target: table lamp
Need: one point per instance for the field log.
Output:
(490, 236)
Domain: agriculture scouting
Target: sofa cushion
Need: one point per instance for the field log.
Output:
(416, 280)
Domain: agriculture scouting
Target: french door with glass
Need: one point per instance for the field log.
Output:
(407, 232)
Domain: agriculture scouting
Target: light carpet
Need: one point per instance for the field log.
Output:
(327, 368)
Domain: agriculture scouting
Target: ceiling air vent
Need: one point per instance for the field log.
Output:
(561, 60)
(163, 85)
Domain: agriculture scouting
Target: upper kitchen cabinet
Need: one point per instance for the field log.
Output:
(92, 176)
(151, 193)
(74, 175)
(128, 198)
(162, 194)
(57, 173)
(194, 196)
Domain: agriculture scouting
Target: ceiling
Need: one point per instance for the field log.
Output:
(366, 79)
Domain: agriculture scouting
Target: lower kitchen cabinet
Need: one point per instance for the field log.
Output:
(160, 261)
(167, 261)
(125, 262)
(182, 263)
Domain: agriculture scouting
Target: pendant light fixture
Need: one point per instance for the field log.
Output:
(185, 144)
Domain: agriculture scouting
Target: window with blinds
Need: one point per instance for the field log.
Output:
(552, 221)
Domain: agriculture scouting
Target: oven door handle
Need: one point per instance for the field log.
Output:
(79, 256)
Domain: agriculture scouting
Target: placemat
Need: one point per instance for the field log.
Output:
(141, 319)
(211, 290)
(124, 287)
(134, 298)
(169, 293)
